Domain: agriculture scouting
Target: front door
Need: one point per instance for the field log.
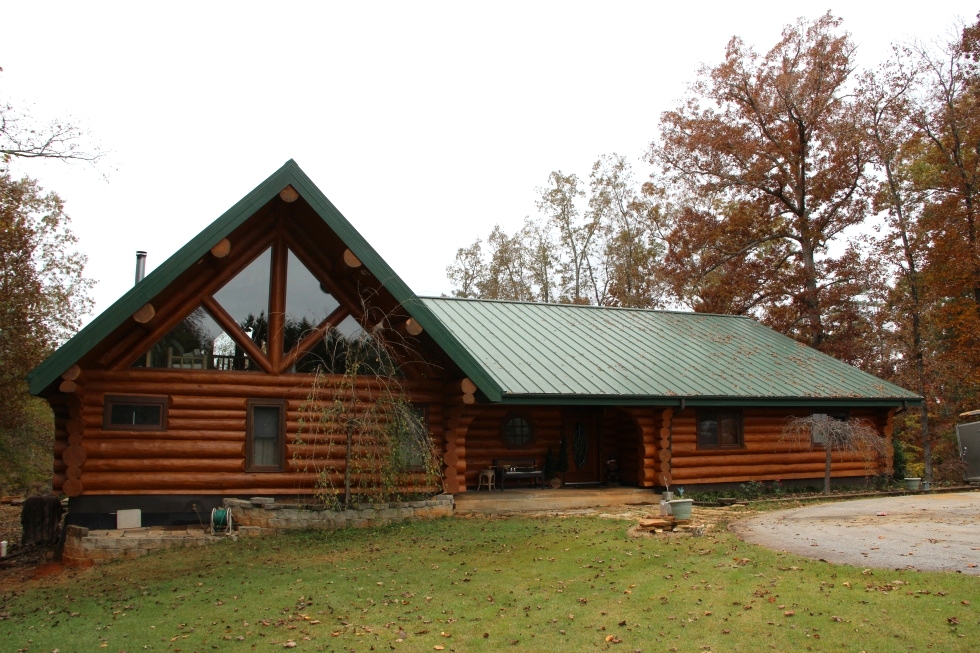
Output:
(580, 428)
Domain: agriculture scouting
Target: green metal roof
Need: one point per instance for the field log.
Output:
(537, 352)
(517, 352)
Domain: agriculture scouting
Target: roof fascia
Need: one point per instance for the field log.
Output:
(747, 402)
(157, 280)
(398, 288)
(289, 174)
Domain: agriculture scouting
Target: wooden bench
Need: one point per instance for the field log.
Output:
(518, 468)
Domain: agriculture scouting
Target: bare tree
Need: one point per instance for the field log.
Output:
(854, 435)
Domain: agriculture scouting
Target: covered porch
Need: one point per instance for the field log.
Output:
(521, 500)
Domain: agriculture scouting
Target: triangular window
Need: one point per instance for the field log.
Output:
(246, 298)
(308, 303)
(197, 343)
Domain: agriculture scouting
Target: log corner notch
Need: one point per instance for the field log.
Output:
(462, 391)
(222, 249)
(70, 380)
(289, 194)
(413, 328)
(144, 313)
(351, 260)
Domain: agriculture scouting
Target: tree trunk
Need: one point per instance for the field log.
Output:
(826, 473)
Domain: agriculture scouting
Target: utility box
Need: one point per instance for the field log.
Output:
(968, 437)
(129, 518)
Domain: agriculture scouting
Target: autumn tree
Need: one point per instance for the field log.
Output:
(598, 246)
(42, 291)
(895, 144)
(820, 430)
(765, 160)
(629, 248)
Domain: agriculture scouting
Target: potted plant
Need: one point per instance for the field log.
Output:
(681, 508)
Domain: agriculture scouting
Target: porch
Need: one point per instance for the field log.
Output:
(520, 500)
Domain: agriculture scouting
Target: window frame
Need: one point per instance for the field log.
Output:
(110, 401)
(510, 417)
(702, 415)
(251, 405)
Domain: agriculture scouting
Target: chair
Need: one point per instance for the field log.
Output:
(489, 476)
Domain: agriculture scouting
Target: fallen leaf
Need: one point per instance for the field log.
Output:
(788, 613)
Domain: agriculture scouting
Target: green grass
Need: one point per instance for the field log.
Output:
(518, 584)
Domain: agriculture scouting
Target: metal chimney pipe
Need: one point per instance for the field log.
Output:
(140, 265)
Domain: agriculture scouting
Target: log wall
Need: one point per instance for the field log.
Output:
(767, 454)
(203, 449)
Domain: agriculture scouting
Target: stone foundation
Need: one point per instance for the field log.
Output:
(260, 515)
(84, 547)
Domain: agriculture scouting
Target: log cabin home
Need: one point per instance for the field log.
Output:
(188, 388)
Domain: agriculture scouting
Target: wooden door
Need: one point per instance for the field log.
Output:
(580, 428)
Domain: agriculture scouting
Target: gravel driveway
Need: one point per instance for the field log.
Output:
(935, 532)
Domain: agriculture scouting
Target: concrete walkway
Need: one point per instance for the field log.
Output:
(934, 532)
(523, 500)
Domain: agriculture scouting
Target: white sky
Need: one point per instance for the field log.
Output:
(425, 123)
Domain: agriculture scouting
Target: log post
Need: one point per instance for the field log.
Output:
(289, 194)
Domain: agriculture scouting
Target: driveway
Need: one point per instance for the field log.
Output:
(934, 532)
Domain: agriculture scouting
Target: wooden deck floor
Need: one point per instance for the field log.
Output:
(516, 500)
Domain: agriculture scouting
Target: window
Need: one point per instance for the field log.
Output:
(718, 428)
(265, 429)
(517, 431)
(134, 413)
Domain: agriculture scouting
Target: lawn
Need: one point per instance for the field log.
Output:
(481, 584)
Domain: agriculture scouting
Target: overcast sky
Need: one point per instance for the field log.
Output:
(425, 123)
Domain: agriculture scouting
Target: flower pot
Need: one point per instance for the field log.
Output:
(681, 508)
(912, 483)
(926, 486)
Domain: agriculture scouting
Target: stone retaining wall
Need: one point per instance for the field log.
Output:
(257, 516)
(84, 547)
(262, 515)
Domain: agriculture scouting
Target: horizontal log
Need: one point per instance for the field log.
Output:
(203, 435)
(817, 479)
(191, 481)
(707, 473)
(73, 472)
(58, 481)
(73, 426)
(67, 387)
(205, 403)
(162, 449)
(158, 465)
(59, 466)
(741, 458)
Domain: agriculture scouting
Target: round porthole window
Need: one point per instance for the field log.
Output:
(517, 432)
